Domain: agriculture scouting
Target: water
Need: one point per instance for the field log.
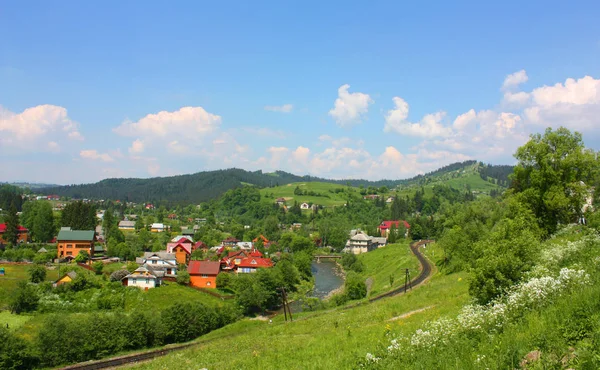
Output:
(326, 278)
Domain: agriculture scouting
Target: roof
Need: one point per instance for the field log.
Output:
(379, 240)
(388, 224)
(187, 231)
(163, 255)
(361, 237)
(78, 235)
(42, 250)
(231, 239)
(255, 262)
(204, 267)
(98, 248)
(261, 236)
(182, 239)
(71, 274)
(256, 253)
(157, 226)
(127, 223)
(186, 246)
(19, 228)
(201, 245)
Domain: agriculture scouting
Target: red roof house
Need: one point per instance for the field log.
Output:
(385, 226)
(203, 274)
(22, 233)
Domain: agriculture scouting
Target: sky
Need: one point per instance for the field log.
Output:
(99, 89)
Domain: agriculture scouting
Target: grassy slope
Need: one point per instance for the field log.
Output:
(287, 191)
(163, 297)
(390, 260)
(332, 339)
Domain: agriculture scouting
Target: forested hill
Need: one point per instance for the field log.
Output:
(204, 186)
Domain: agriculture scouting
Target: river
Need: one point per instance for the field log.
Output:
(327, 279)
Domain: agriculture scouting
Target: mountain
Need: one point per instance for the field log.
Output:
(204, 186)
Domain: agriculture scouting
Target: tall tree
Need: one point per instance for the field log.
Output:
(43, 222)
(12, 225)
(79, 216)
(553, 176)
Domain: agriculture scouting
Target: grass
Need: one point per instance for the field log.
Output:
(13, 321)
(287, 191)
(12, 275)
(331, 339)
(391, 260)
(163, 297)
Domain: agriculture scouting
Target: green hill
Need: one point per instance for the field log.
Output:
(324, 194)
(204, 186)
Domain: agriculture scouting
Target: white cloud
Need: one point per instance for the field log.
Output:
(22, 129)
(286, 108)
(94, 155)
(190, 122)
(515, 79)
(516, 99)
(53, 146)
(349, 108)
(430, 125)
(265, 132)
(136, 147)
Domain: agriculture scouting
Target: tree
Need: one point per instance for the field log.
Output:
(98, 266)
(553, 176)
(43, 222)
(183, 277)
(139, 223)
(355, 286)
(11, 235)
(82, 257)
(37, 273)
(108, 221)
(79, 216)
(25, 299)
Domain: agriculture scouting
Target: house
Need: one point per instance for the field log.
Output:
(181, 250)
(53, 197)
(149, 206)
(359, 243)
(304, 206)
(379, 241)
(42, 250)
(163, 262)
(172, 216)
(280, 201)
(99, 233)
(203, 274)
(142, 278)
(22, 234)
(126, 225)
(386, 226)
(71, 242)
(157, 228)
(296, 226)
(390, 200)
(230, 242)
(200, 245)
(66, 278)
(245, 261)
(188, 232)
(261, 237)
(371, 196)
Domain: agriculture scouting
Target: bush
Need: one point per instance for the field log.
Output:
(14, 352)
(25, 299)
(183, 277)
(224, 280)
(98, 266)
(355, 286)
(37, 273)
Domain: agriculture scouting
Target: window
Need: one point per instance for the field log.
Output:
(134, 280)
(69, 245)
(208, 283)
(147, 281)
(69, 253)
(204, 275)
(154, 262)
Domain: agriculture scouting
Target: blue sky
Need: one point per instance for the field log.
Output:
(384, 90)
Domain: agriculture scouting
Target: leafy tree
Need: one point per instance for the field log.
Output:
(108, 222)
(43, 223)
(25, 299)
(553, 176)
(15, 352)
(355, 286)
(82, 257)
(289, 274)
(224, 280)
(303, 262)
(11, 234)
(37, 273)
(139, 223)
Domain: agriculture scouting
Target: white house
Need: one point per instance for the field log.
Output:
(142, 278)
(159, 263)
(360, 243)
(305, 206)
(157, 228)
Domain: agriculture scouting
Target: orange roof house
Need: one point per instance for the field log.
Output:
(265, 240)
(203, 274)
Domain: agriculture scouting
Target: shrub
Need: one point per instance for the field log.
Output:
(98, 266)
(355, 286)
(25, 298)
(14, 352)
(37, 273)
(183, 277)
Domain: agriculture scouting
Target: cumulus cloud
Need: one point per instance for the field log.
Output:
(33, 123)
(515, 79)
(286, 108)
(349, 108)
(429, 126)
(94, 155)
(265, 132)
(136, 147)
(190, 122)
